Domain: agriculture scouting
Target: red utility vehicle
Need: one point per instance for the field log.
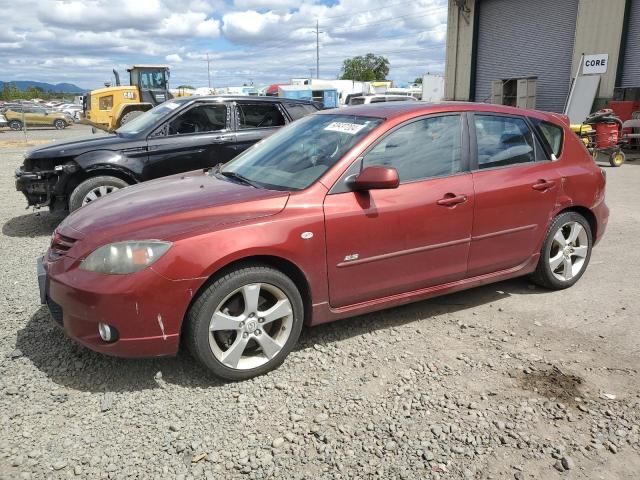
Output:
(341, 213)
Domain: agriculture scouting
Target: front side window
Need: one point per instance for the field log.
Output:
(421, 149)
(296, 156)
(153, 80)
(299, 110)
(259, 116)
(502, 141)
(200, 119)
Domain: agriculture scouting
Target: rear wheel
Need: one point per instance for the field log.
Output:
(60, 124)
(565, 253)
(245, 323)
(616, 159)
(15, 125)
(127, 117)
(94, 188)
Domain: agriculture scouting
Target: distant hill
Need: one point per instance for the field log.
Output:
(58, 88)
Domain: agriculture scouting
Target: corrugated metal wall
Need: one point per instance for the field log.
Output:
(523, 38)
(631, 65)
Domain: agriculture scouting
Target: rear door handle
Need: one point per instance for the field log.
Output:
(451, 200)
(543, 185)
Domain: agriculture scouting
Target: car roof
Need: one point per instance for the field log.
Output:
(409, 109)
(231, 98)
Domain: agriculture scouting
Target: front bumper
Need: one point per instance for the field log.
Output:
(146, 309)
(36, 187)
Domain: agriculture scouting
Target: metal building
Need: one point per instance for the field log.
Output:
(527, 52)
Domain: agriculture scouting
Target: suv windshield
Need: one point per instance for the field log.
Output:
(297, 155)
(149, 118)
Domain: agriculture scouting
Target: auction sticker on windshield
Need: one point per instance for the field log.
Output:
(345, 127)
(172, 105)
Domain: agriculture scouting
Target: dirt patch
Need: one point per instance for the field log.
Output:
(552, 383)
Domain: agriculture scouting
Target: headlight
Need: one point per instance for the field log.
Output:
(125, 257)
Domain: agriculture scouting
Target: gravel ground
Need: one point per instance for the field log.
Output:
(504, 381)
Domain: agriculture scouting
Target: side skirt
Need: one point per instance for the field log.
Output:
(323, 313)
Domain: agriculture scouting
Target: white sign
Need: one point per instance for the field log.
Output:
(344, 127)
(595, 63)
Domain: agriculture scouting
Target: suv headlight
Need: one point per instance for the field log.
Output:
(122, 258)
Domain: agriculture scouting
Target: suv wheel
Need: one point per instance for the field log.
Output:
(245, 323)
(15, 125)
(565, 253)
(60, 124)
(94, 188)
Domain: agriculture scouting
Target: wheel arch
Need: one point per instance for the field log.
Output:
(587, 214)
(95, 171)
(281, 264)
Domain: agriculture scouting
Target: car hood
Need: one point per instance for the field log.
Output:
(170, 209)
(76, 147)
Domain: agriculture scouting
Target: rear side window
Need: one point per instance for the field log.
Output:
(502, 141)
(356, 101)
(259, 116)
(299, 110)
(378, 100)
(552, 135)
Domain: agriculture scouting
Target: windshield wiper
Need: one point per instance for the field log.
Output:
(239, 177)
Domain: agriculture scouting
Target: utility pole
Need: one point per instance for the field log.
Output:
(317, 49)
(208, 71)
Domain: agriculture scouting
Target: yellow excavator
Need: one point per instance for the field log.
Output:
(110, 107)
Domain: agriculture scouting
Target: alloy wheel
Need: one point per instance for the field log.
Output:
(250, 326)
(98, 192)
(569, 250)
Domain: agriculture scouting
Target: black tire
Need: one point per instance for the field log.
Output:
(616, 159)
(76, 200)
(127, 117)
(60, 124)
(544, 275)
(15, 125)
(196, 332)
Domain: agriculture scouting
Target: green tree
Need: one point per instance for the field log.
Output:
(366, 68)
(418, 80)
(189, 87)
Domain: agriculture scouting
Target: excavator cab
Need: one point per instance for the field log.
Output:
(152, 82)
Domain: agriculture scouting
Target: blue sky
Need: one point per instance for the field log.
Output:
(264, 41)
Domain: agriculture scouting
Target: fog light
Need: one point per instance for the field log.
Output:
(107, 332)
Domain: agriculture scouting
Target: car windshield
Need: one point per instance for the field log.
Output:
(297, 155)
(149, 118)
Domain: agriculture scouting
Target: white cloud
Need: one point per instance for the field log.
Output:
(266, 41)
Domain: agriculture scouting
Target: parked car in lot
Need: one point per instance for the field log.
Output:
(184, 134)
(3, 121)
(336, 215)
(37, 117)
(380, 98)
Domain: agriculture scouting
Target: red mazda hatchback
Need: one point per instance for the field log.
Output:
(341, 213)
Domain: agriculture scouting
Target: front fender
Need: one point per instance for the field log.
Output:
(110, 160)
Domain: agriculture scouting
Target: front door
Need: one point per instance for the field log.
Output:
(198, 138)
(516, 189)
(386, 242)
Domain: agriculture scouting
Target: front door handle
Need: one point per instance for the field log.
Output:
(543, 185)
(222, 138)
(451, 200)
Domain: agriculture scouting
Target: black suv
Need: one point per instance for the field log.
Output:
(177, 136)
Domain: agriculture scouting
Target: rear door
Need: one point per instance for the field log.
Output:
(387, 242)
(255, 121)
(199, 137)
(516, 187)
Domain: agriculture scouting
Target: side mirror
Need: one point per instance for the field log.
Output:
(375, 178)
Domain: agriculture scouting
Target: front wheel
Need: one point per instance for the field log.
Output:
(130, 116)
(93, 189)
(15, 125)
(60, 124)
(565, 253)
(245, 323)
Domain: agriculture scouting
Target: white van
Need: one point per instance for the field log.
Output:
(379, 98)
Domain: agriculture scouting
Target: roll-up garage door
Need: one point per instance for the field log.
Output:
(631, 65)
(526, 38)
